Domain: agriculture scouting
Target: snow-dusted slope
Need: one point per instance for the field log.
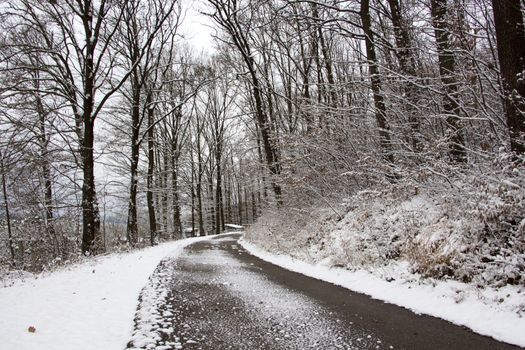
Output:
(87, 306)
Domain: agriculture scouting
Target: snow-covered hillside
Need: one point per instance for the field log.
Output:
(453, 249)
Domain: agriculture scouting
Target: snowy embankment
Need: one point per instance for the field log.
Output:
(87, 306)
(490, 311)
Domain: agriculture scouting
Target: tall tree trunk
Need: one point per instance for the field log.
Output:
(254, 207)
(164, 194)
(407, 64)
(263, 187)
(193, 195)
(264, 128)
(90, 212)
(247, 210)
(321, 91)
(175, 155)
(327, 60)
(219, 205)
(240, 202)
(200, 214)
(177, 222)
(379, 103)
(306, 60)
(239, 181)
(150, 180)
(510, 34)
(227, 194)
(211, 202)
(132, 227)
(447, 72)
(46, 168)
(10, 242)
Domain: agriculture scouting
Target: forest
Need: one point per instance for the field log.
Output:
(359, 131)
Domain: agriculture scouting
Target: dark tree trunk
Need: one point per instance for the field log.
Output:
(227, 194)
(90, 212)
(407, 64)
(264, 128)
(263, 187)
(246, 209)
(447, 72)
(198, 187)
(10, 242)
(151, 168)
(239, 181)
(239, 203)
(510, 34)
(306, 60)
(164, 195)
(132, 228)
(379, 103)
(177, 223)
(254, 207)
(48, 189)
(211, 203)
(193, 195)
(326, 57)
(219, 205)
(46, 168)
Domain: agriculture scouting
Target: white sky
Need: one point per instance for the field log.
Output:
(197, 28)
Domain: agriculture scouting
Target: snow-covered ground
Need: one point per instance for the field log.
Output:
(489, 311)
(87, 306)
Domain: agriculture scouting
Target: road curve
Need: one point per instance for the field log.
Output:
(222, 297)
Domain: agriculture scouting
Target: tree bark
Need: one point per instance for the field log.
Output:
(326, 57)
(200, 214)
(45, 164)
(211, 202)
(90, 212)
(379, 103)
(10, 242)
(132, 227)
(510, 34)
(407, 64)
(219, 205)
(447, 72)
(150, 179)
(177, 223)
(193, 195)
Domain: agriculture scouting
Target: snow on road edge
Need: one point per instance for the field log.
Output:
(450, 300)
(86, 306)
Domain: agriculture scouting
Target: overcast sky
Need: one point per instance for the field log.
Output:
(196, 28)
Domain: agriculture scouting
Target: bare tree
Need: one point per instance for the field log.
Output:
(232, 17)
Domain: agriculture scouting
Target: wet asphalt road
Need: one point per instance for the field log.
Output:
(224, 298)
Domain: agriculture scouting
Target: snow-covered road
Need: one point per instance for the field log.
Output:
(215, 295)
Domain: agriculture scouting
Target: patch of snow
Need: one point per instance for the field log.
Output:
(493, 312)
(234, 226)
(87, 306)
